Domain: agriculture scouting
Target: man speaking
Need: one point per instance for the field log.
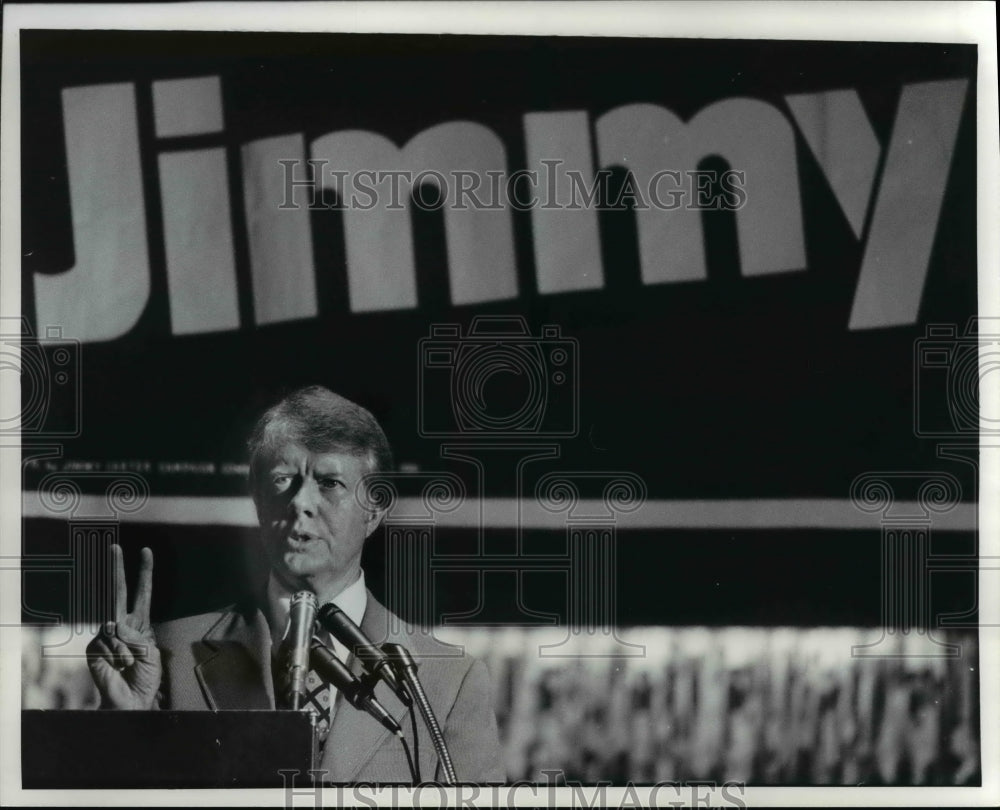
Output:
(308, 456)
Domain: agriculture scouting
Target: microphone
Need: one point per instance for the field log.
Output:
(328, 666)
(375, 661)
(301, 618)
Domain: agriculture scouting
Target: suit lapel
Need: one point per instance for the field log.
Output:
(355, 735)
(235, 670)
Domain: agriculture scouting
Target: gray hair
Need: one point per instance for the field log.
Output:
(322, 422)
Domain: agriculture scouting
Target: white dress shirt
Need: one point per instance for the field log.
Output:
(353, 600)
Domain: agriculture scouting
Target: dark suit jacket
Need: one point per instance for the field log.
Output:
(222, 660)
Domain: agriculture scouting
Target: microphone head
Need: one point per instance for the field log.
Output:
(375, 662)
(303, 597)
(301, 619)
(328, 610)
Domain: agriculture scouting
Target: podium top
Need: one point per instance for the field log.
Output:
(164, 749)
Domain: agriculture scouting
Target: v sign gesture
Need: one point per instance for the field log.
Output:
(123, 658)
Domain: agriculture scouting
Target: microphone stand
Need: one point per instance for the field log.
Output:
(393, 664)
(406, 670)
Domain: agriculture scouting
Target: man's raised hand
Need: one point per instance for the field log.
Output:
(123, 658)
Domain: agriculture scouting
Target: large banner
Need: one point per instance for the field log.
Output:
(731, 281)
(743, 250)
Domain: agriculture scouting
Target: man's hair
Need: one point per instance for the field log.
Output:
(322, 422)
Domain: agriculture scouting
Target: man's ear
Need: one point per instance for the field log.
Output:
(373, 517)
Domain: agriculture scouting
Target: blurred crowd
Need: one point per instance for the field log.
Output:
(788, 706)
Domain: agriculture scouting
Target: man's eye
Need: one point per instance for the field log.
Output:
(330, 483)
(281, 482)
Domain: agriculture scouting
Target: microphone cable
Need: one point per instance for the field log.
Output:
(414, 771)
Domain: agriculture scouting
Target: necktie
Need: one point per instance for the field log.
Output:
(317, 702)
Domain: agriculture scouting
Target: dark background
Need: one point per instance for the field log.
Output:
(664, 577)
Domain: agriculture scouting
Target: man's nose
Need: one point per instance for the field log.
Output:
(304, 500)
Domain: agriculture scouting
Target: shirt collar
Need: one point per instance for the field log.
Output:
(353, 600)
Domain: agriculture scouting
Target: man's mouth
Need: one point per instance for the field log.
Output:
(299, 537)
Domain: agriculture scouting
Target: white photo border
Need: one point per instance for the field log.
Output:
(961, 22)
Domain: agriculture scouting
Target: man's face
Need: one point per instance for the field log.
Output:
(312, 524)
